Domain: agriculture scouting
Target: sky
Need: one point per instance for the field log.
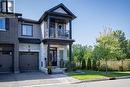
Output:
(92, 16)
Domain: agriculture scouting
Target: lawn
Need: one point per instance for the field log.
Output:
(90, 75)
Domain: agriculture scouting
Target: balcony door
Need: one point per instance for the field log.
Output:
(52, 29)
(61, 30)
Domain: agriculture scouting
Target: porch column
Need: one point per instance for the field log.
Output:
(48, 24)
(70, 55)
(48, 55)
(70, 28)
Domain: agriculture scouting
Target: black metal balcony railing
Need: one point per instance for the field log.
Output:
(57, 33)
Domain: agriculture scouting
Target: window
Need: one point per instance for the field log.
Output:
(2, 24)
(61, 54)
(7, 6)
(27, 30)
(3, 8)
(10, 6)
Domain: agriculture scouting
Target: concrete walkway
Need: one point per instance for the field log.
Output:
(33, 79)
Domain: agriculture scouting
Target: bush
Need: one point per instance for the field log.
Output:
(120, 68)
(89, 64)
(129, 66)
(76, 68)
(83, 64)
(94, 65)
(70, 66)
(102, 67)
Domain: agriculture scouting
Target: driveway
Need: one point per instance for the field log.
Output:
(33, 79)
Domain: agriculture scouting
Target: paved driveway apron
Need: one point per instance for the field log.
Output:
(34, 78)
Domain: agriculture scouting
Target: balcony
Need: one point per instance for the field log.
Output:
(57, 33)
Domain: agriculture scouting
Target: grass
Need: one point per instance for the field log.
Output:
(91, 75)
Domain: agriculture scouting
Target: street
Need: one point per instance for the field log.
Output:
(108, 83)
(39, 79)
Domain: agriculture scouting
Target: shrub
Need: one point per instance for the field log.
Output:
(89, 64)
(83, 64)
(94, 65)
(120, 68)
(129, 66)
(102, 67)
(70, 66)
(76, 68)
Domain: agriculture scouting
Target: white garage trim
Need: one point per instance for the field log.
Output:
(29, 47)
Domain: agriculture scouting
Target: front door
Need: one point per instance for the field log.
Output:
(53, 56)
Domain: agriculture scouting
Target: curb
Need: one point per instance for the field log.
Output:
(105, 79)
(94, 80)
(123, 77)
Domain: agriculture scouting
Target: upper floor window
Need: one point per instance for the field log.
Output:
(7, 6)
(10, 6)
(27, 30)
(2, 24)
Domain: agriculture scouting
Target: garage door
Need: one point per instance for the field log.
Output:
(28, 61)
(6, 61)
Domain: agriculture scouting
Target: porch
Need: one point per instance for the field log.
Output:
(56, 57)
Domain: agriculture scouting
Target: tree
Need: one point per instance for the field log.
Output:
(94, 64)
(88, 54)
(81, 54)
(89, 64)
(112, 44)
(78, 54)
(128, 49)
(83, 64)
(104, 42)
(122, 53)
(97, 56)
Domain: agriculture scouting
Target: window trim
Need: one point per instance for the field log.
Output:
(3, 29)
(22, 30)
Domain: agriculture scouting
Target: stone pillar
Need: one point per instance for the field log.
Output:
(70, 55)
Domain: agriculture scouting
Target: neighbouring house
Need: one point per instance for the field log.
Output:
(29, 45)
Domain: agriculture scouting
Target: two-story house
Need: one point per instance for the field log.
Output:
(30, 45)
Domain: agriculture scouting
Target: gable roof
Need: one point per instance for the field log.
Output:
(69, 13)
(63, 7)
(60, 10)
